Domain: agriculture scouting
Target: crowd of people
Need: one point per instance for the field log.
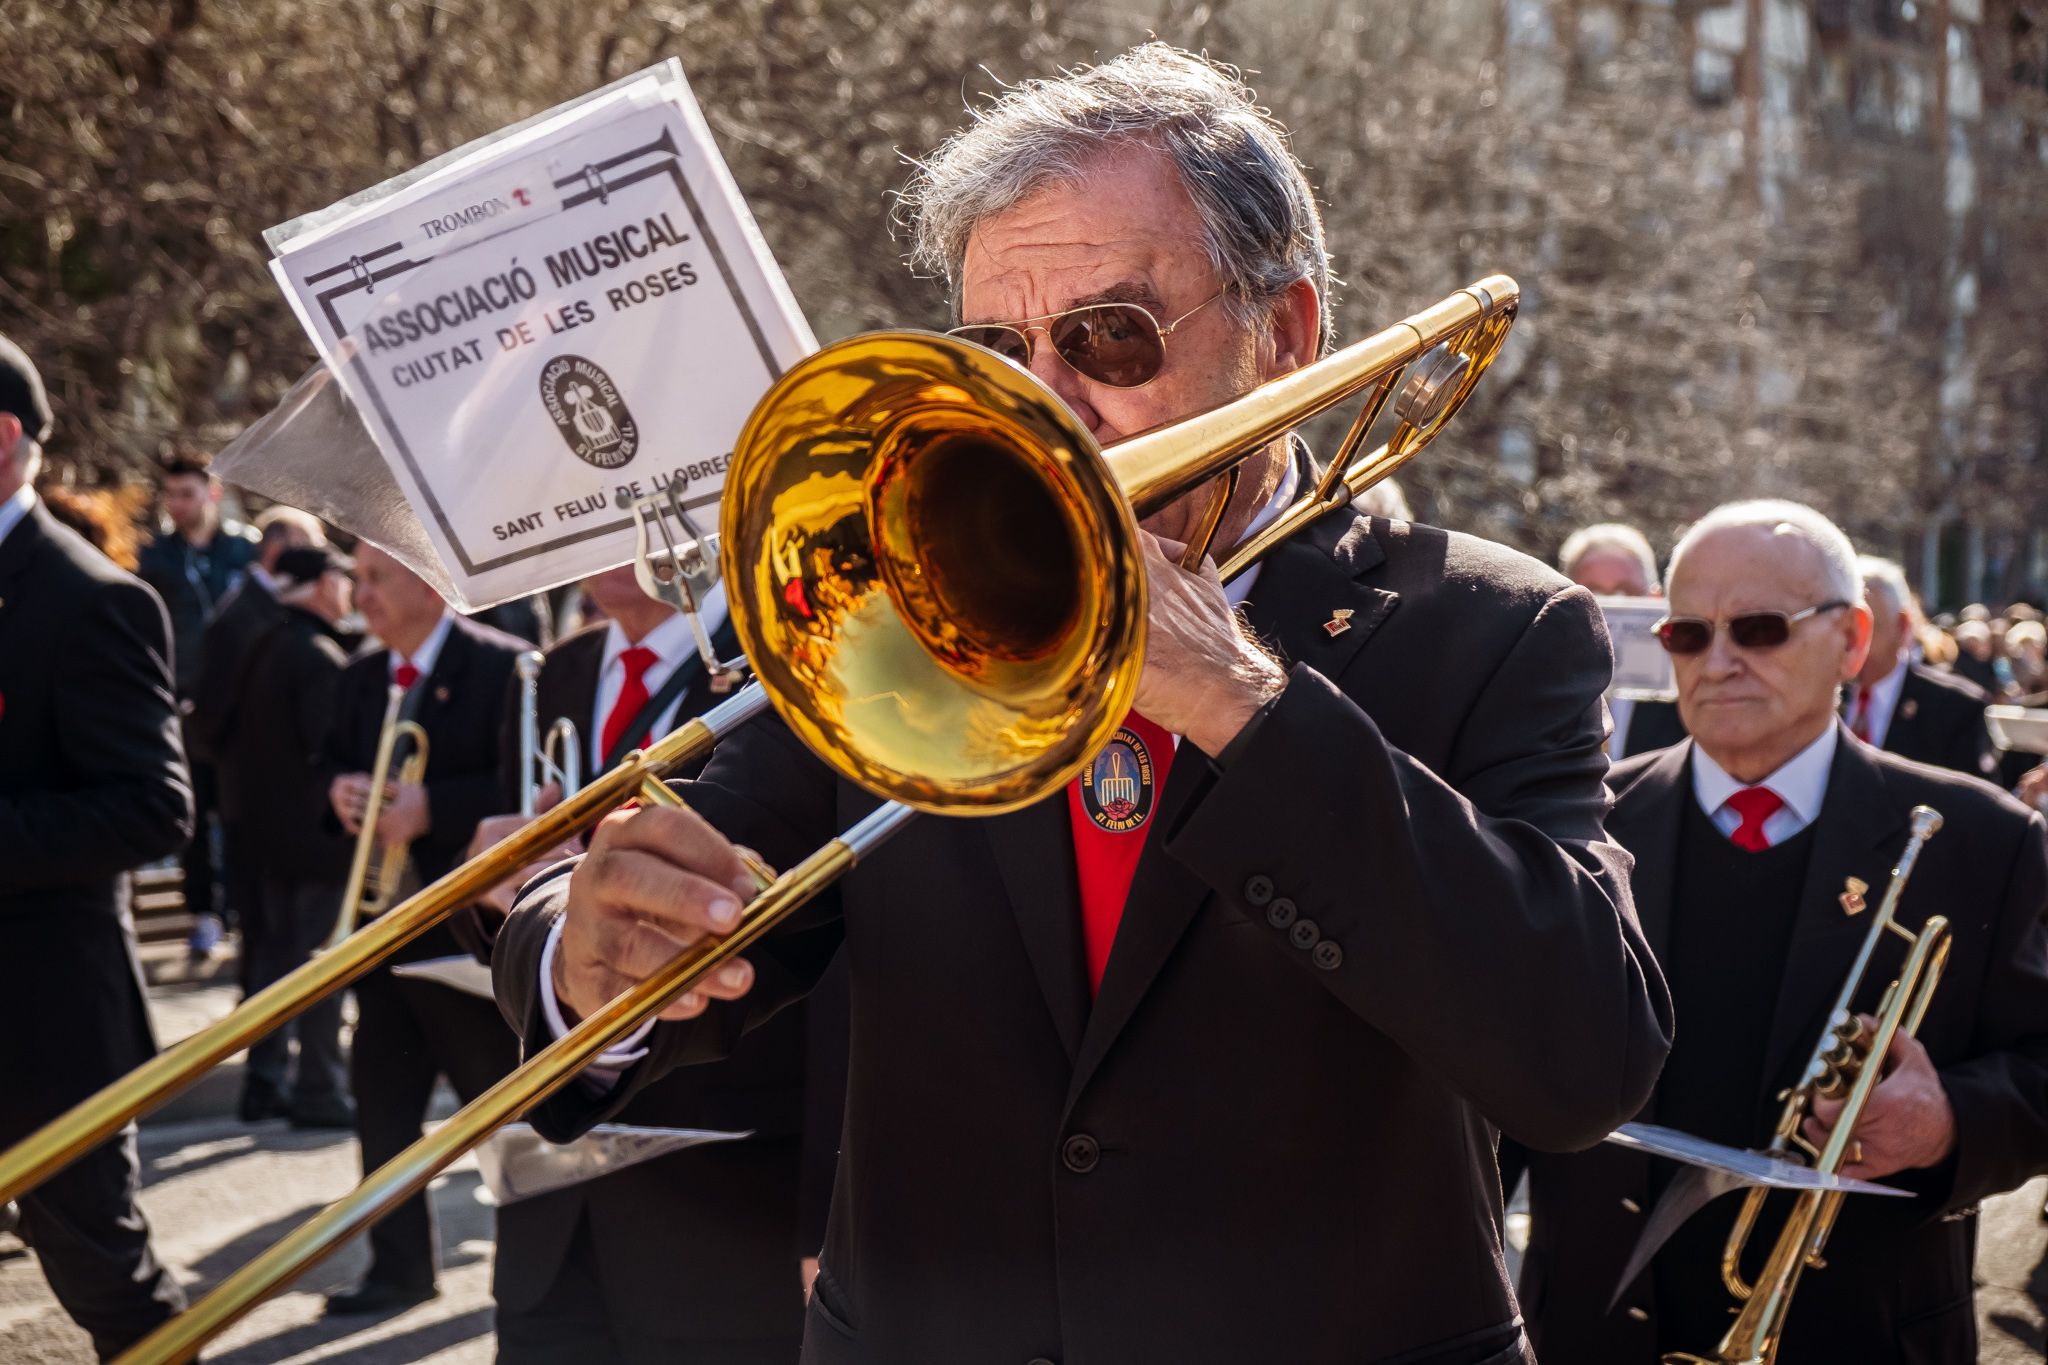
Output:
(1238, 1065)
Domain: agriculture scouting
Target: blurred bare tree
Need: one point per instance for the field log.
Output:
(1697, 324)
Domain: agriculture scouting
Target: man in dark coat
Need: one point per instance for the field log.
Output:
(92, 784)
(1746, 842)
(1231, 1090)
(572, 1274)
(1904, 707)
(297, 859)
(410, 1032)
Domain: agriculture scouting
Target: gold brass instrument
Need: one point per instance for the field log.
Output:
(1846, 1061)
(557, 757)
(377, 868)
(936, 573)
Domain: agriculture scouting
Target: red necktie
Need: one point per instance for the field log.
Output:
(1755, 805)
(1111, 805)
(1859, 715)
(632, 697)
(405, 675)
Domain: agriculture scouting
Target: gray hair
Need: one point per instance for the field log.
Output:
(1782, 517)
(1891, 577)
(1608, 535)
(1257, 209)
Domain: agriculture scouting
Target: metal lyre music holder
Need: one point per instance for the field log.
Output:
(676, 562)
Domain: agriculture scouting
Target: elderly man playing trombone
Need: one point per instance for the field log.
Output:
(1217, 1074)
(1762, 846)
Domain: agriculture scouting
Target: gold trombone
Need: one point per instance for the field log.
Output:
(937, 575)
(377, 868)
(556, 757)
(1846, 1061)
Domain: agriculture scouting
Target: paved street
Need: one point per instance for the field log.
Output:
(218, 1192)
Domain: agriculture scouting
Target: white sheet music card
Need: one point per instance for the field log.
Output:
(1642, 670)
(546, 324)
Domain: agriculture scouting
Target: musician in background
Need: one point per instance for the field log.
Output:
(1904, 707)
(92, 784)
(1614, 560)
(291, 859)
(410, 1032)
(573, 1276)
(1744, 840)
(1216, 1077)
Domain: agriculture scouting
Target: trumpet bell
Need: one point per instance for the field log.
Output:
(933, 572)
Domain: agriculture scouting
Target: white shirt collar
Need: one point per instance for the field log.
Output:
(1801, 783)
(672, 640)
(1239, 589)
(16, 509)
(429, 653)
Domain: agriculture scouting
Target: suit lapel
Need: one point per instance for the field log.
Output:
(1904, 736)
(442, 688)
(17, 552)
(1647, 823)
(1852, 838)
(1034, 852)
(1302, 586)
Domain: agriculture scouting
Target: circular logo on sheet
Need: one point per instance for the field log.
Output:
(587, 410)
(1116, 789)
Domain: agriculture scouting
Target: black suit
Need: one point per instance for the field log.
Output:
(410, 1032)
(1939, 719)
(1898, 1280)
(1652, 725)
(1387, 923)
(578, 1268)
(92, 784)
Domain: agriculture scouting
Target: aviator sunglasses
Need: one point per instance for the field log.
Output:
(1118, 344)
(1751, 630)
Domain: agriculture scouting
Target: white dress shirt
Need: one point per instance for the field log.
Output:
(604, 1070)
(1884, 702)
(673, 644)
(1802, 784)
(16, 509)
(427, 655)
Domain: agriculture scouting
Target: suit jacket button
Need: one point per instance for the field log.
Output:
(1305, 934)
(1038, 1360)
(1638, 1315)
(1080, 1153)
(1327, 955)
(1632, 1206)
(1280, 913)
(1259, 890)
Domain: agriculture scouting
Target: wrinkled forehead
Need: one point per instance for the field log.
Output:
(1759, 567)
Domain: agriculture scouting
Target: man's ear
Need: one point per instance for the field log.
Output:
(11, 432)
(1858, 626)
(1296, 328)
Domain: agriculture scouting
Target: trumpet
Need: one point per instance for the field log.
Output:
(936, 574)
(556, 757)
(375, 871)
(1847, 1060)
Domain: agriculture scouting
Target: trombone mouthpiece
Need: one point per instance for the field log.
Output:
(1926, 821)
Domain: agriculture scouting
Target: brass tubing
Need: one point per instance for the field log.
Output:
(541, 1076)
(95, 1119)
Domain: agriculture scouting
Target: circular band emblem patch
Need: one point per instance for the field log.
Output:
(586, 409)
(1117, 788)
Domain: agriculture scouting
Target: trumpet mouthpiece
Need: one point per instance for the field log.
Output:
(1926, 821)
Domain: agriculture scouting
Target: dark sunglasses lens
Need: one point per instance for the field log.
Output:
(1761, 630)
(1117, 345)
(1007, 342)
(1680, 636)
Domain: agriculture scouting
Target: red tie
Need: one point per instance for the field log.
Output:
(632, 697)
(1755, 805)
(1111, 805)
(405, 675)
(1859, 717)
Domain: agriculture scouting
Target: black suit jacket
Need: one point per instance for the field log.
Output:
(1940, 720)
(740, 1279)
(1390, 923)
(92, 784)
(1898, 1279)
(459, 707)
(275, 751)
(1652, 725)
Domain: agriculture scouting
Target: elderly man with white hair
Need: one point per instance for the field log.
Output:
(1215, 1074)
(1904, 707)
(1748, 839)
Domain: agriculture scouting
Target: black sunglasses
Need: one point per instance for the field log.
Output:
(1751, 630)
(1118, 344)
